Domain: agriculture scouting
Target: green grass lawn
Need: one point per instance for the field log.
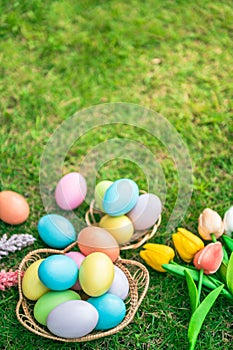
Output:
(173, 57)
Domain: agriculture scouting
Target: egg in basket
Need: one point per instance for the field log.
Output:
(69, 315)
(130, 215)
(84, 290)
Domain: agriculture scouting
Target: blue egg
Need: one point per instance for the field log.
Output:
(56, 231)
(111, 310)
(58, 272)
(120, 197)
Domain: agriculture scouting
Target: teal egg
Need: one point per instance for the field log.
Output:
(56, 231)
(58, 272)
(120, 197)
(111, 310)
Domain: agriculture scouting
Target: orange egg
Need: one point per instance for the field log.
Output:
(14, 208)
(95, 239)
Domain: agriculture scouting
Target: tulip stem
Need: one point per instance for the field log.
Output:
(201, 274)
(214, 239)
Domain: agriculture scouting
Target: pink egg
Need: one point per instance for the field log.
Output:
(71, 191)
(78, 259)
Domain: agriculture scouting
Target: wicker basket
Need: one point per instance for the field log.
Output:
(138, 238)
(136, 273)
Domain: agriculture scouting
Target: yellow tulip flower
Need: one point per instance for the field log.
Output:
(155, 255)
(187, 244)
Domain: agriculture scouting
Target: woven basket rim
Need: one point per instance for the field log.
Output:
(138, 238)
(138, 283)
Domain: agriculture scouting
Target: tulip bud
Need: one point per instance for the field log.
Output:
(228, 221)
(210, 222)
(209, 258)
(156, 255)
(187, 244)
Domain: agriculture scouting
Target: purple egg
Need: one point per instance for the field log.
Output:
(72, 319)
(146, 211)
(120, 284)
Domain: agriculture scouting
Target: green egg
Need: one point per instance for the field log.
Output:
(49, 301)
(100, 190)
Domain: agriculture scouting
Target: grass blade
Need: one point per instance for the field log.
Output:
(200, 314)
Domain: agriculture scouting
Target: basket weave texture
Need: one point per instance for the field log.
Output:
(138, 238)
(135, 272)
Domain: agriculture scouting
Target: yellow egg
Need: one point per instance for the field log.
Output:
(32, 287)
(120, 227)
(96, 274)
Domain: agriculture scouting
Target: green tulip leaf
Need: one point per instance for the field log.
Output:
(214, 280)
(222, 271)
(200, 314)
(225, 255)
(192, 289)
(228, 241)
(229, 274)
(208, 281)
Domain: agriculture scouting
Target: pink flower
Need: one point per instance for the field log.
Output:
(209, 258)
(210, 222)
(8, 279)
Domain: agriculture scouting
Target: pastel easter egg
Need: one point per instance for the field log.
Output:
(96, 239)
(120, 227)
(120, 284)
(56, 231)
(58, 272)
(99, 193)
(47, 302)
(32, 286)
(120, 197)
(72, 319)
(111, 310)
(146, 211)
(96, 274)
(71, 191)
(78, 258)
(14, 209)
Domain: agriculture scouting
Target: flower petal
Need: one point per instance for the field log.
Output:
(210, 222)
(209, 258)
(228, 221)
